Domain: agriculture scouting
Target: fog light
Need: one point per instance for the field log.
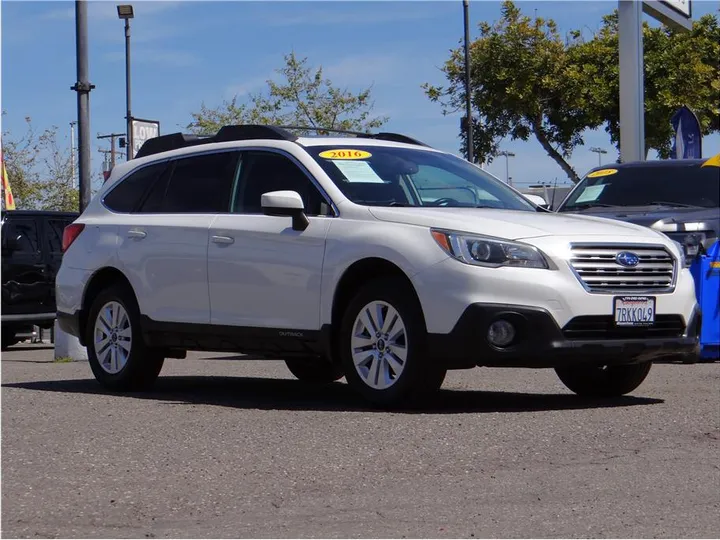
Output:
(501, 333)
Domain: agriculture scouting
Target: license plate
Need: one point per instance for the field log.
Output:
(634, 310)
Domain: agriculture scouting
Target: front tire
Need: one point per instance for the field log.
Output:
(605, 381)
(117, 353)
(382, 346)
(314, 371)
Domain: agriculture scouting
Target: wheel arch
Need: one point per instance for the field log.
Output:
(356, 275)
(100, 280)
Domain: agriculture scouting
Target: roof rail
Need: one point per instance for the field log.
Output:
(164, 143)
(253, 131)
(175, 141)
(385, 136)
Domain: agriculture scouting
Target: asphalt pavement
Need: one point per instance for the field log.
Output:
(230, 448)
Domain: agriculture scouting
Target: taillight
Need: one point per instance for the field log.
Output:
(70, 233)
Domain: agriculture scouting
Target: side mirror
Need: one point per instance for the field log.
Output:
(537, 199)
(285, 203)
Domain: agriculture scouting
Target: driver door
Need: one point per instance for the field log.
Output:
(261, 272)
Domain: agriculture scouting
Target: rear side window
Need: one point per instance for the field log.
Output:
(199, 184)
(55, 233)
(127, 194)
(25, 232)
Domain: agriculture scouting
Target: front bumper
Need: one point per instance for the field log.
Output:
(541, 343)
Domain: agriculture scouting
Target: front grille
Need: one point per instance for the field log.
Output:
(603, 327)
(597, 268)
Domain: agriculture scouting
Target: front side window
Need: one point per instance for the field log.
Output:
(263, 172)
(391, 176)
(679, 186)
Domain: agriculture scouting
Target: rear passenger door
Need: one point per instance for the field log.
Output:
(24, 283)
(163, 243)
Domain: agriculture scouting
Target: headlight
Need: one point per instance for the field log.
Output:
(490, 252)
(684, 263)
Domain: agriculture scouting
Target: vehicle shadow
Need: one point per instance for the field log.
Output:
(293, 395)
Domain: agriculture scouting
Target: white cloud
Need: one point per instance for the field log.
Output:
(174, 58)
(371, 15)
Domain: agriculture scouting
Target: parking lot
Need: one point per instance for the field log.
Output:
(223, 448)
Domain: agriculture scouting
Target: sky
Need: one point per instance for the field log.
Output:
(186, 53)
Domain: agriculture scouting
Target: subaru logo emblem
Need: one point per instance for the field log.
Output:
(625, 258)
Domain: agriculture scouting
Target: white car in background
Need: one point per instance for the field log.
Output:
(372, 257)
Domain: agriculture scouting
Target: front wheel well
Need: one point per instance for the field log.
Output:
(100, 281)
(356, 276)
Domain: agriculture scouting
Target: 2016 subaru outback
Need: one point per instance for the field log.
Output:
(372, 257)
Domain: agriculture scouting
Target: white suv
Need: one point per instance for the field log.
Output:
(372, 257)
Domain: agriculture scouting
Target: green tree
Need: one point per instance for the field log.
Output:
(519, 88)
(39, 171)
(303, 97)
(681, 68)
(527, 80)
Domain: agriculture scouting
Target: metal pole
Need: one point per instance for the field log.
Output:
(468, 99)
(507, 168)
(112, 151)
(632, 103)
(83, 88)
(127, 90)
(72, 152)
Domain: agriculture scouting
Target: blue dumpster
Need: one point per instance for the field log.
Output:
(706, 272)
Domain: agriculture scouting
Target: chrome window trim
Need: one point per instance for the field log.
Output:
(239, 149)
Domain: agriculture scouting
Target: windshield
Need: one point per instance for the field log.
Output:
(390, 176)
(647, 186)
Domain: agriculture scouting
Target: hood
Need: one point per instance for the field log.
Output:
(654, 215)
(509, 224)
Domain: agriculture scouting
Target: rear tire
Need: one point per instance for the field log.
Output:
(118, 356)
(314, 371)
(608, 381)
(9, 338)
(382, 346)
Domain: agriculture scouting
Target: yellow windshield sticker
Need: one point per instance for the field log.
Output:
(713, 161)
(602, 172)
(345, 153)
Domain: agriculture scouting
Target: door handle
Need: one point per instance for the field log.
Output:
(134, 233)
(223, 239)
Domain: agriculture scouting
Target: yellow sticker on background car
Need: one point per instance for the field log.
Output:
(602, 172)
(712, 162)
(345, 153)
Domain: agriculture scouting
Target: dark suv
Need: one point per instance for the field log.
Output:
(678, 197)
(31, 256)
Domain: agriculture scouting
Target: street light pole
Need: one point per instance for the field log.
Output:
(126, 13)
(468, 100)
(83, 88)
(507, 155)
(72, 152)
(599, 152)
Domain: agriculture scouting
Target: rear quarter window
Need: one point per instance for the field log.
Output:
(126, 196)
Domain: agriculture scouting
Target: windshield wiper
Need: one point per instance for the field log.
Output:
(590, 205)
(667, 203)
